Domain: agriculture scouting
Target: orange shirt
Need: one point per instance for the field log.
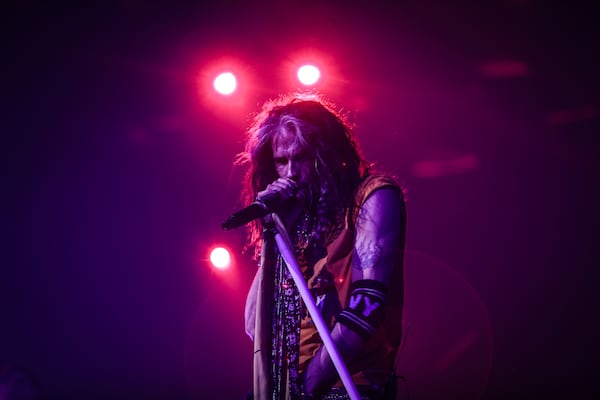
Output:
(377, 359)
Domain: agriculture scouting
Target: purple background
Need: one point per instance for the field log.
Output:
(117, 175)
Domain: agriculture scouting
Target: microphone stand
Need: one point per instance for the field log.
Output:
(287, 252)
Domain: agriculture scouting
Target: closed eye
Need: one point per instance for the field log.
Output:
(303, 157)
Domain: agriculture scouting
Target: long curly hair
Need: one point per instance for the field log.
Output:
(338, 160)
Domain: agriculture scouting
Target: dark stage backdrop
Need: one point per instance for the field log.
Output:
(117, 172)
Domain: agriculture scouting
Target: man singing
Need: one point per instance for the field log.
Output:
(347, 224)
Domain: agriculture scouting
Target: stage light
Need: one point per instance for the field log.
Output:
(308, 74)
(225, 83)
(220, 258)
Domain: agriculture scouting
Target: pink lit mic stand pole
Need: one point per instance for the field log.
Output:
(287, 252)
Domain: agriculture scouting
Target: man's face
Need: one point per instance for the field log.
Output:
(294, 160)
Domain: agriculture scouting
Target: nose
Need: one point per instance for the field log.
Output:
(292, 170)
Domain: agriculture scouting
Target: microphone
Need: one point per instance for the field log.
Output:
(267, 204)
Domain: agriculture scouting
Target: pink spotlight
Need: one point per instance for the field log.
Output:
(220, 258)
(225, 83)
(308, 74)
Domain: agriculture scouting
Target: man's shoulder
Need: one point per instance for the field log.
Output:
(376, 181)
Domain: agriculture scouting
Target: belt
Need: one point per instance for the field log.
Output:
(366, 392)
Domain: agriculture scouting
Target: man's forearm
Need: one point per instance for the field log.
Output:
(321, 374)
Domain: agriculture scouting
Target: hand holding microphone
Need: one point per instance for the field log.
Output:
(277, 196)
(283, 188)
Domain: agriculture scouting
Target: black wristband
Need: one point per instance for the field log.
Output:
(364, 312)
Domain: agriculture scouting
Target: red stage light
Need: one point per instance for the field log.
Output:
(308, 74)
(225, 83)
(223, 87)
(220, 258)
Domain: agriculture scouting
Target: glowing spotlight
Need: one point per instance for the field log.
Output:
(225, 83)
(308, 74)
(220, 258)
